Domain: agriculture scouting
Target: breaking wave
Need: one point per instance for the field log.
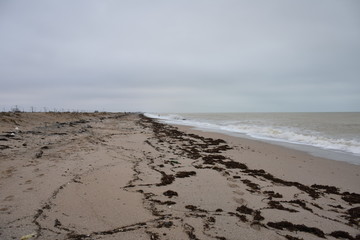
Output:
(270, 132)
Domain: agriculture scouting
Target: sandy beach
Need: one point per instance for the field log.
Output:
(125, 176)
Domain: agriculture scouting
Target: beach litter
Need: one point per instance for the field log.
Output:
(25, 237)
(174, 162)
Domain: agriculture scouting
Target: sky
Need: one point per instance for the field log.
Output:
(180, 55)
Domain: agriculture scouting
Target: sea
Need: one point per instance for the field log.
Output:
(334, 136)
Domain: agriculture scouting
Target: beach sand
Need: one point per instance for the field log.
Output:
(125, 176)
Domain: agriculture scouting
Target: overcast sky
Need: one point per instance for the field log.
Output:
(181, 55)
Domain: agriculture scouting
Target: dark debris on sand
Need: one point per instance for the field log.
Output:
(170, 193)
(342, 235)
(166, 179)
(184, 174)
(207, 153)
(279, 206)
(296, 227)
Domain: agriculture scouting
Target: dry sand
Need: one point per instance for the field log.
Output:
(124, 176)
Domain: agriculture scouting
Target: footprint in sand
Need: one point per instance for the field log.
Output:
(256, 227)
(239, 200)
(231, 179)
(232, 185)
(239, 192)
(9, 172)
(9, 198)
(4, 209)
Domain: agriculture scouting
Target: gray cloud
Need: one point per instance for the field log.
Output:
(187, 56)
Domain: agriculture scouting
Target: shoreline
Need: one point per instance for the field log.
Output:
(330, 154)
(125, 176)
(315, 138)
(309, 163)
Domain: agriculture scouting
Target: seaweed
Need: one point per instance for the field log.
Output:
(328, 189)
(272, 194)
(169, 203)
(354, 212)
(194, 208)
(252, 185)
(167, 224)
(233, 165)
(240, 216)
(257, 216)
(296, 227)
(170, 193)
(279, 206)
(301, 204)
(212, 159)
(166, 179)
(354, 215)
(190, 232)
(184, 174)
(288, 237)
(341, 234)
(244, 209)
(351, 198)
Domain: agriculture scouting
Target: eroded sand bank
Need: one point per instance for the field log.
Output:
(124, 176)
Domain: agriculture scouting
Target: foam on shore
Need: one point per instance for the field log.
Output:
(314, 142)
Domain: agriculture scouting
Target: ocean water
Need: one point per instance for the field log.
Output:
(331, 135)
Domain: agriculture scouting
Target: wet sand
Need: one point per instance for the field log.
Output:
(124, 176)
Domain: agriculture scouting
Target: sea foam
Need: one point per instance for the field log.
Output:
(265, 130)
